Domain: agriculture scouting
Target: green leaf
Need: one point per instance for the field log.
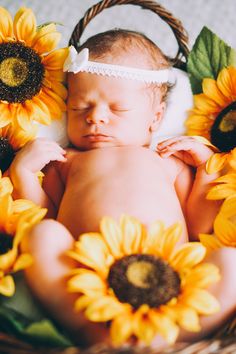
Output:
(23, 301)
(22, 316)
(42, 332)
(49, 23)
(209, 55)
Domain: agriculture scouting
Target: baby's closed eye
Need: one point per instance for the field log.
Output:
(119, 108)
(80, 108)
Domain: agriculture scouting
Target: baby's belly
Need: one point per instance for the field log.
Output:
(138, 188)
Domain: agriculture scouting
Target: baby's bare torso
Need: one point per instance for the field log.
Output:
(115, 181)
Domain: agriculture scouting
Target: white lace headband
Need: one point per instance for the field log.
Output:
(79, 62)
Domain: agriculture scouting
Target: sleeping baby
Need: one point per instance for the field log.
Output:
(117, 85)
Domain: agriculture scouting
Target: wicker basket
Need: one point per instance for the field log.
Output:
(224, 341)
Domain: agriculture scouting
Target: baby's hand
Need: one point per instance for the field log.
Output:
(35, 155)
(186, 148)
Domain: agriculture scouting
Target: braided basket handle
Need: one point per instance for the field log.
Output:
(176, 26)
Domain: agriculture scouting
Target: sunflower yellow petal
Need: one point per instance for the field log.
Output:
(216, 162)
(121, 329)
(58, 88)
(104, 309)
(55, 103)
(224, 83)
(7, 286)
(188, 319)
(39, 110)
(23, 117)
(165, 326)
(212, 91)
(6, 208)
(46, 39)
(112, 234)
(87, 283)
(229, 178)
(93, 252)
(82, 303)
(202, 276)
(210, 242)
(202, 301)
(26, 220)
(153, 239)
(199, 123)
(203, 140)
(6, 186)
(187, 255)
(25, 25)
(5, 115)
(205, 104)
(228, 208)
(6, 25)
(19, 137)
(132, 234)
(7, 259)
(225, 230)
(171, 236)
(144, 328)
(232, 159)
(20, 205)
(221, 192)
(55, 75)
(22, 262)
(232, 75)
(55, 60)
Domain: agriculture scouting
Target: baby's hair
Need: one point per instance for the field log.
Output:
(117, 42)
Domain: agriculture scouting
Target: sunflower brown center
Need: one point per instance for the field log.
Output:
(143, 279)
(6, 154)
(13, 71)
(223, 132)
(21, 72)
(6, 242)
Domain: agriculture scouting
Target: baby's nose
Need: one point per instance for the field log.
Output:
(97, 116)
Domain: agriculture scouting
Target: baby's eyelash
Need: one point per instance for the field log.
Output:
(119, 109)
(79, 109)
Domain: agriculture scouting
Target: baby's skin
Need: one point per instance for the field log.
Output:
(115, 180)
(110, 171)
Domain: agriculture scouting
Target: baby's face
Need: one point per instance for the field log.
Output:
(105, 111)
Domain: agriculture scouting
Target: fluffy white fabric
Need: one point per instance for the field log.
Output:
(55, 131)
(180, 100)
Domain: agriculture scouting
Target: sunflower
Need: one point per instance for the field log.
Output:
(214, 116)
(30, 70)
(224, 187)
(224, 227)
(6, 186)
(219, 161)
(12, 138)
(139, 282)
(15, 220)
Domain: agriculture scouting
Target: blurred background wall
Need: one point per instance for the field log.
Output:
(218, 15)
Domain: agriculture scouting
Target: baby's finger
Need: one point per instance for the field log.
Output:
(174, 140)
(55, 156)
(50, 146)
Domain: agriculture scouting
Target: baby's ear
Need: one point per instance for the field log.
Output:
(158, 114)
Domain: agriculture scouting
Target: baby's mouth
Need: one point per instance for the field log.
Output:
(97, 137)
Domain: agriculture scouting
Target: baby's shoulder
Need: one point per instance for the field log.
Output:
(173, 166)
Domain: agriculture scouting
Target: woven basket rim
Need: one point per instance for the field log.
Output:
(223, 341)
(175, 25)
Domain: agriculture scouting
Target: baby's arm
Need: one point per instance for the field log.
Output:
(32, 158)
(200, 212)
